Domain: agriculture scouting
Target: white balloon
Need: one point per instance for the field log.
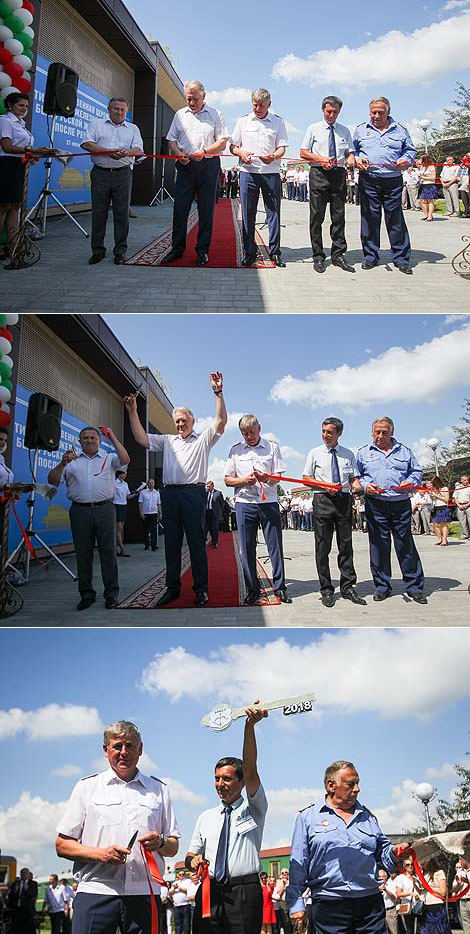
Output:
(11, 90)
(5, 408)
(29, 32)
(12, 318)
(9, 362)
(5, 80)
(6, 33)
(5, 345)
(26, 16)
(5, 395)
(14, 46)
(24, 61)
(15, 4)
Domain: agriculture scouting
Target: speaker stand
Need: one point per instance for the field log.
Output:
(39, 209)
(162, 191)
(21, 552)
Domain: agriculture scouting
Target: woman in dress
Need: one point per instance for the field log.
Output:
(16, 142)
(428, 190)
(269, 915)
(440, 516)
(434, 919)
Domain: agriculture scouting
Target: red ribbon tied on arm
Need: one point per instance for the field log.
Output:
(203, 875)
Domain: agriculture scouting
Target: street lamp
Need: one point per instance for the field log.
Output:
(433, 444)
(425, 124)
(425, 793)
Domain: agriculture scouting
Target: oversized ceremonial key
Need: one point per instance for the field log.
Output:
(220, 717)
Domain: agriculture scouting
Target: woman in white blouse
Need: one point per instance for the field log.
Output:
(16, 142)
(434, 919)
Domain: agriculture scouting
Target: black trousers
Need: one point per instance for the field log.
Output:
(327, 185)
(150, 522)
(184, 512)
(235, 909)
(103, 914)
(199, 179)
(212, 526)
(90, 524)
(333, 513)
(364, 915)
(110, 187)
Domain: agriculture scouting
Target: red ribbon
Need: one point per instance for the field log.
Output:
(103, 465)
(203, 875)
(152, 871)
(8, 495)
(425, 883)
(334, 487)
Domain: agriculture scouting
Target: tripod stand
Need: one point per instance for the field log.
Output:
(39, 209)
(21, 552)
(162, 191)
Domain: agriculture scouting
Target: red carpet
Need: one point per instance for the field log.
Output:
(226, 584)
(226, 251)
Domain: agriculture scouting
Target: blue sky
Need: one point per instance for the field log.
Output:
(292, 371)
(395, 702)
(412, 52)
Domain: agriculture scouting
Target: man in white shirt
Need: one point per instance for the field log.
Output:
(185, 463)
(249, 464)
(197, 135)
(89, 478)
(108, 818)
(332, 512)
(151, 513)
(259, 140)
(328, 147)
(450, 187)
(181, 903)
(462, 498)
(55, 903)
(111, 176)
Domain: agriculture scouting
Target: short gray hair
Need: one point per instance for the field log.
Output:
(384, 418)
(384, 100)
(333, 100)
(261, 94)
(195, 84)
(182, 408)
(118, 100)
(248, 421)
(336, 767)
(121, 728)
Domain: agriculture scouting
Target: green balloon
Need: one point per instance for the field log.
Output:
(8, 384)
(3, 109)
(14, 23)
(5, 371)
(24, 38)
(3, 321)
(5, 10)
(28, 54)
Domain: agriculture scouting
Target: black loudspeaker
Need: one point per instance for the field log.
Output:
(43, 423)
(60, 96)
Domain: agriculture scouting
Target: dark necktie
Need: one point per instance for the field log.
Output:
(221, 860)
(332, 144)
(209, 500)
(334, 467)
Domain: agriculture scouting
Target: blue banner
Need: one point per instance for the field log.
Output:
(51, 518)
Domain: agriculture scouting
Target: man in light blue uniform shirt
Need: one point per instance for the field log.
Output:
(336, 847)
(383, 465)
(383, 148)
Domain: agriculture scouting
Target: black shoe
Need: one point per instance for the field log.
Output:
(247, 261)
(95, 258)
(319, 264)
(201, 599)
(327, 599)
(110, 603)
(146, 547)
(215, 545)
(251, 598)
(154, 547)
(380, 595)
(341, 262)
(85, 602)
(369, 264)
(407, 270)
(202, 259)
(167, 597)
(283, 596)
(172, 256)
(353, 596)
(417, 597)
(276, 259)
(119, 260)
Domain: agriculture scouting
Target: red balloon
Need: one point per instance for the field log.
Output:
(5, 56)
(28, 6)
(23, 85)
(5, 419)
(4, 332)
(15, 71)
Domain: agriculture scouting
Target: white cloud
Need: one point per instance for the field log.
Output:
(50, 722)
(66, 771)
(289, 452)
(180, 792)
(228, 97)
(217, 473)
(26, 825)
(446, 770)
(400, 374)
(428, 52)
(423, 453)
(437, 118)
(294, 129)
(283, 802)
(435, 673)
(455, 4)
(404, 812)
(207, 420)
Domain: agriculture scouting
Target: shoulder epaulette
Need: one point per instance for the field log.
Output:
(157, 779)
(306, 808)
(85, 777)
(361, 124)
(362, 447)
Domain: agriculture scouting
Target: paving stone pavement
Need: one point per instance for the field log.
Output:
(63, 282)
(50, 599)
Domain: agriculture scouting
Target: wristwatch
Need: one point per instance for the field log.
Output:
(164, 841)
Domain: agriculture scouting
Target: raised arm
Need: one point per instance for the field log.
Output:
(121, 452)
(137, 428)
(250, 752)
(220, 420)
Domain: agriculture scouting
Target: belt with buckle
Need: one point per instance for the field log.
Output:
(100, 502)
(181, 486)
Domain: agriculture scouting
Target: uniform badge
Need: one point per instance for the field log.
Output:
(325, 823)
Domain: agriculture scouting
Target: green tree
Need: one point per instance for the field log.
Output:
(459, 809)
(461, 446)
(457, 122)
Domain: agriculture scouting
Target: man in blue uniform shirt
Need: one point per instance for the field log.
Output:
(383, 148)
(336, 847)
(383, 465)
